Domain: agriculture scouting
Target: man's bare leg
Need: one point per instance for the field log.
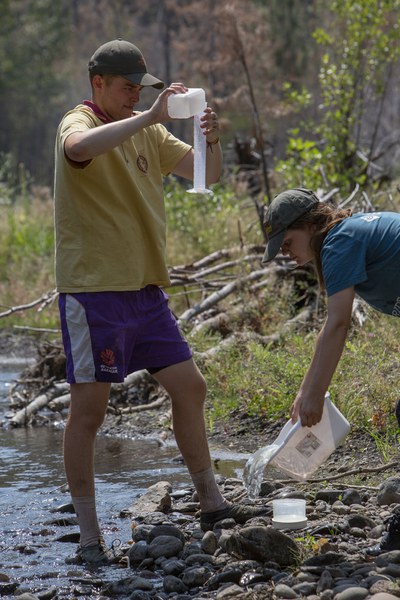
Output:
(87, 412)
(187, 389)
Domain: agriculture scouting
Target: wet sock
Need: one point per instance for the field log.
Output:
(85, 508)
(210, 497)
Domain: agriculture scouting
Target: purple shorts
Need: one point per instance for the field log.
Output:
(108, 335)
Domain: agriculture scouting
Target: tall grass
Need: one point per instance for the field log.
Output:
(254, 380)
(26, 257)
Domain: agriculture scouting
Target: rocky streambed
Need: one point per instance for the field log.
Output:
(168, 556)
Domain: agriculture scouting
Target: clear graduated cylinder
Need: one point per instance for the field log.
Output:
(183, 106)
(199, 167)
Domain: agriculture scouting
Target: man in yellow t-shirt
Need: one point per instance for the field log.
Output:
(110, 270)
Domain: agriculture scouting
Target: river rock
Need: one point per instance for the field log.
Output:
(156, 499)
(351, 496)
(263, 544)
(388, 557)
(384, 596)
(389, 492)
(360, 521)
(64, 508)
(284, 591)
(325, 582)
(352, 593)
(329, 495)
(196, 576)
(165, 529)
(386, 586)
(165, 545)
(140, 595)
(138, 552)
(174, 585)
(8, 588)
(209, 542)
(230, 575)
(128, 585)
(233, 591)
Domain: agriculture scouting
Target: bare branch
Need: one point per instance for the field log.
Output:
(43, 301)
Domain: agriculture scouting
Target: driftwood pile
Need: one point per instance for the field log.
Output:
(217, 294)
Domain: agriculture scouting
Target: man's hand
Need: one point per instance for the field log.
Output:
(158, 113)
(210, 125)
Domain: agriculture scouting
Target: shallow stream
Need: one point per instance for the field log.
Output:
(32, 484)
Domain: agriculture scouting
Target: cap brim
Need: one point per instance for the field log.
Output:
(144, 79)
(273, 246)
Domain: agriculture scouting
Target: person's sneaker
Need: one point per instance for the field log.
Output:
(390, 540)
(240, 513)
(95, 555)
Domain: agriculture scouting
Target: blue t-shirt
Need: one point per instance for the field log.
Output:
(364, 251)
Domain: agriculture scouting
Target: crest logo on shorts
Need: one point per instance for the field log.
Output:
(108, 357)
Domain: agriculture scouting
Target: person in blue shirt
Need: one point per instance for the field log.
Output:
(352, 254)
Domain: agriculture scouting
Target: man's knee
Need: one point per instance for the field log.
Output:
(194, 393)
(88, 422)
(88, 406)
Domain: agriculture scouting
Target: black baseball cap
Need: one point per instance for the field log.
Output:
(120, 57)
(285, 209)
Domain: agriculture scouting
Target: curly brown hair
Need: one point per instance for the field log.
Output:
(324, 217)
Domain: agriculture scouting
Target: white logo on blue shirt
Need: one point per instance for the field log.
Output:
(371, 218)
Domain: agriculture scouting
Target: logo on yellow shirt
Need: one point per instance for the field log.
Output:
(142, 163)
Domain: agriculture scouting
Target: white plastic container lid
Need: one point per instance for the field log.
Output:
(289, 523)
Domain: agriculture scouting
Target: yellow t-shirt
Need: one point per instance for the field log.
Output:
(110, 224)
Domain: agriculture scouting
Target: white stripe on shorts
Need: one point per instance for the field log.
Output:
(81, 345)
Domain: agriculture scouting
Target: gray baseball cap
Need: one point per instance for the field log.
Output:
(284, 210)
(120, 57)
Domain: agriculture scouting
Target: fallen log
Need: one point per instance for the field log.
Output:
(221, 294)
(143, 407)
(22, 416)
(218, 255)
(220, 322)
(62, 402)
(183, 278)
(301, 319)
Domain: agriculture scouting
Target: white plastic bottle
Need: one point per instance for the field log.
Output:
(188, 104)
